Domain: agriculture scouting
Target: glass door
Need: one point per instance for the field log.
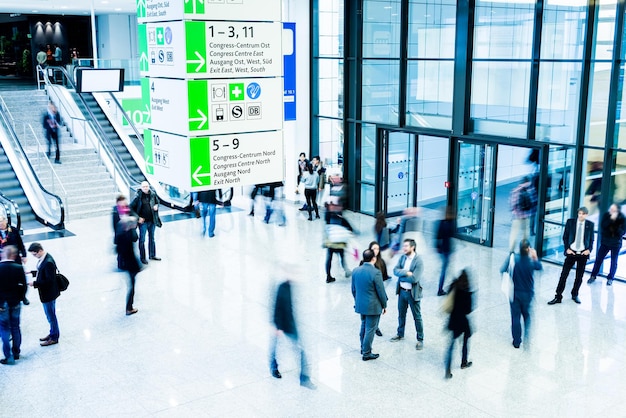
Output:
(399, 171)
(475, 192)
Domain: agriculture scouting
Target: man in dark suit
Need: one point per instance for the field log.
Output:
(48, 288)
(12, 291)
(370, 300)
(578, 243)
(409, 291)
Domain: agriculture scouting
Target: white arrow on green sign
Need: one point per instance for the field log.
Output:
(200, 159)
(194, 6)
(198, 104)
(195, 45)
(142, 40)
(147, 151)
(141, 8)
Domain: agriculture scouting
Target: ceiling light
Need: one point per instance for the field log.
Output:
(117, 9)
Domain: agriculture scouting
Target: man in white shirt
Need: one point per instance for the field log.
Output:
(578, 243)
(409, 291)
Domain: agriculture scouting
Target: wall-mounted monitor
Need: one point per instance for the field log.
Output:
(99, 80)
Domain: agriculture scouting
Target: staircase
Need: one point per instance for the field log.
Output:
(90, 189)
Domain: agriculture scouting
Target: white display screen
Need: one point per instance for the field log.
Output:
(94, 80)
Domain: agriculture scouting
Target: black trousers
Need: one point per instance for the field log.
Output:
(570, 260)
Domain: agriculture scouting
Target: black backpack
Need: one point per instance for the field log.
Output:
(524, 202)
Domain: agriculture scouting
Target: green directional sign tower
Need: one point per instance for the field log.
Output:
(212, 87)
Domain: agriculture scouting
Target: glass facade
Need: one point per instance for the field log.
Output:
(543, 76)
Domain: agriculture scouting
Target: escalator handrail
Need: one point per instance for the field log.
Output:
(7, 204)
(128, 177)
(33, 174)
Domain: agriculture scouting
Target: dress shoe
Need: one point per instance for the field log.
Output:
(144, 261)
(466, 364)
(49, 342)
(442, 293)
(448, 375)
(330, 279)
(576, 299)
(308, 384)
(277, 374)
(46, 338)
(609, 282)
(396, 338)
(379, 333)
(57, 161)
(370, 356)
(7, 361)
(516, 345)
(554, 301)
(132, 311)
(16, 356)
(155, 258)
(419, 345)
(591, 279)
(26, 301)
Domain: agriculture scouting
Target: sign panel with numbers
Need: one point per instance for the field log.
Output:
(209, 107)
(243, 10)
(211, 49)
(217, 161)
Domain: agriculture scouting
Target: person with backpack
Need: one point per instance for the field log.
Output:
(523, 203)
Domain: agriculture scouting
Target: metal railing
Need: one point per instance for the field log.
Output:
(11, 212)
(48, 208)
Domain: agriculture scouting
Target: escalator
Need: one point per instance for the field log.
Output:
(11, 189)
(111, 134)
(26, 202)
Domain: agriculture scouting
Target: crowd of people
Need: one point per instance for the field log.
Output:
(135, 221)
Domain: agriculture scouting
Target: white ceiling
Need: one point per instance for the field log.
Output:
(68, 7)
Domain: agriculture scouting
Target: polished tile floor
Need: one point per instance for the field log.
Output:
(199, 344)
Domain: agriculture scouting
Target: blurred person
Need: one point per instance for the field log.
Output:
(58, 55)
(207, 200)
(409, 291)
(445, 231)
(338, 232)
(318, 167)
(612, 228)
(126, 238)
(337, 194)
(370, 301)
(578, 243)
(382, 232)
(51, 125)
(310, 178)
(41, 56)
(284, 321)
(458, 322)
(302, 165)
(526, 262)
(523, 203)
(145, 206)
(46, 284)
(119, 210)
(274, 203)
(12, 292)
(11, 236)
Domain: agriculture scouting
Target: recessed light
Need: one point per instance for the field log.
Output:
(35, 11)
(117, 9)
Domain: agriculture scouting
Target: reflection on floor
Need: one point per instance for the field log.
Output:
(199, 344)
